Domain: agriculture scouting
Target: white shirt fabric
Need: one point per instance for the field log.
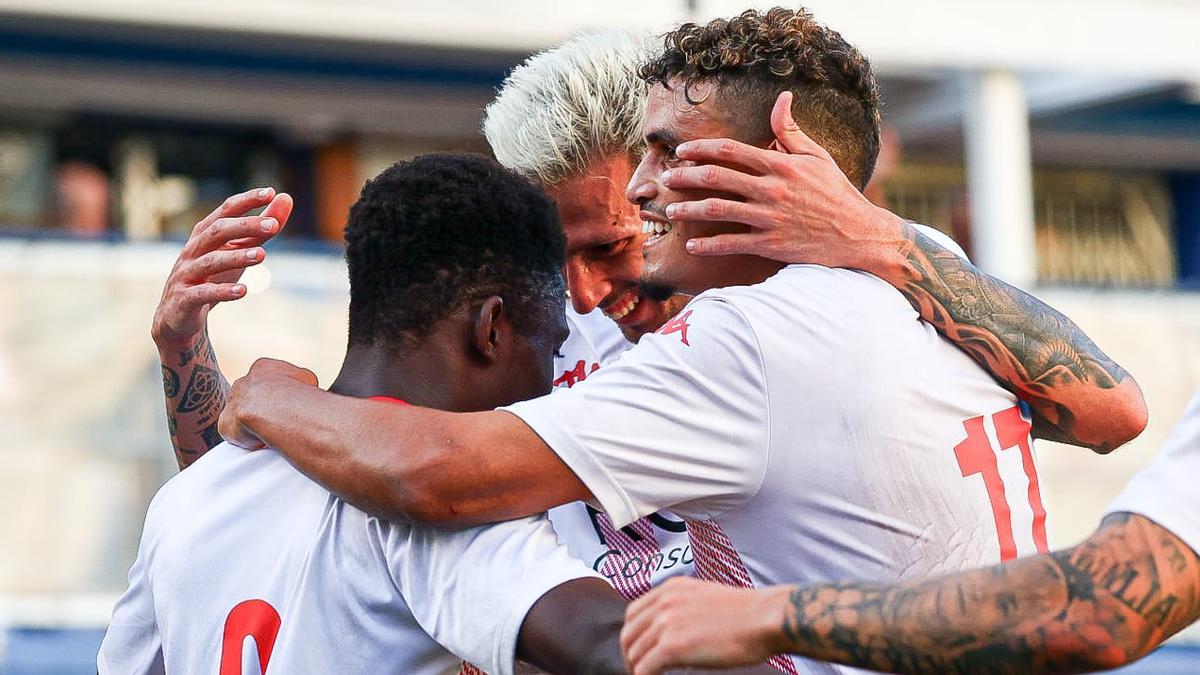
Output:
(1165, 491)
(353, 594)
(639, 556)
(807, 428)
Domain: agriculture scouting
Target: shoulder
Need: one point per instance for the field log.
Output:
(811, 293)
(593, 336)
(943, 239)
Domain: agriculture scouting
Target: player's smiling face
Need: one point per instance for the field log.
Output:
(604, 247)
(670, 120)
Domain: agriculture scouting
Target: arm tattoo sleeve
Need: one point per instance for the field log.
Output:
(196, 393)
(1031, 349)
(1104, 603)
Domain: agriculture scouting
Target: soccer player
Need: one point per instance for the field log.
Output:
(456, 302)
(1098, 605)
(803, 419)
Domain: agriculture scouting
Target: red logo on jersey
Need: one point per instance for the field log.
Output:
(679, 325)
(575, 375)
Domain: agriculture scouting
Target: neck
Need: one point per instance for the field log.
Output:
(423, 375)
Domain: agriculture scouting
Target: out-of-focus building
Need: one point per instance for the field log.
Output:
(1057, 140)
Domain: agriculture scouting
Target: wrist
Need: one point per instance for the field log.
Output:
(173, 345)
(891, 241)
(776, 614)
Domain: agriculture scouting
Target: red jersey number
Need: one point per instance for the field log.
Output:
(977, 456)
(252, 618)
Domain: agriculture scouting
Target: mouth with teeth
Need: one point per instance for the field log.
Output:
(655, 230)
(623, 306)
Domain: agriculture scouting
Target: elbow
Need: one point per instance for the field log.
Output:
(419, 492)
(1125, 417)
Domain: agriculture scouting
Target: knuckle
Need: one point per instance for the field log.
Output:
(713, 208)
(709, 175)
(726, 148)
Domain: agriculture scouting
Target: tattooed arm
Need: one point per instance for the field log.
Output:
(220, 248)
(1077, 393)
(1102, 604)
(801, 208)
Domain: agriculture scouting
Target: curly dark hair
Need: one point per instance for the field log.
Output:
(755, 56)
(430, 234)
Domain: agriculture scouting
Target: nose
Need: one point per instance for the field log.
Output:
(643, 185)
(589, 287)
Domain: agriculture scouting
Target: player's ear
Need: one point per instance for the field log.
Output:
(488, 327)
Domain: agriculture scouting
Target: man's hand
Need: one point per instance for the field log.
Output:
(687, 623)
(220, 248)
(217, 252)
(802, 208)
(264, 379)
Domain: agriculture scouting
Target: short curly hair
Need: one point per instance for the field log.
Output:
(755, 56)
(430, 234)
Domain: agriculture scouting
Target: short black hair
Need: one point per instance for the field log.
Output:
(433, 233)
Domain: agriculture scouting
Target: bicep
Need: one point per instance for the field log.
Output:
(574, 627)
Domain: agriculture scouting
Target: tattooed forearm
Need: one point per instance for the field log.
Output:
(1104, 603)
(1078, 394)
(193, 408)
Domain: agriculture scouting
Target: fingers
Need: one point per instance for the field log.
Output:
(788, 134)
(726, 151)
(724, 244)
(236, 205)
(712, 177)
(217, 262)
(224, 231)
(724, 210)
(280, 208)
(275, 367)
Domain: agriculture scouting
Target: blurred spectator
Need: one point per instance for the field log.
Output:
(83, 198)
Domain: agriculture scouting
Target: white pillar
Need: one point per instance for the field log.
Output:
(999, 176)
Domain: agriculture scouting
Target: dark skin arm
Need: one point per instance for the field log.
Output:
(218, 251)
(803, 209)
(400, 463)
(575, 628)
(1099, 605)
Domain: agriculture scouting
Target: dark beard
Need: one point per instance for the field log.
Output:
(656, 291)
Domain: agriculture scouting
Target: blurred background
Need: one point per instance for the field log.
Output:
(1057, 140)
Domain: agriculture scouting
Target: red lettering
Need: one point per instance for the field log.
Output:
(677, 324)
(575, 375)
(253, 618)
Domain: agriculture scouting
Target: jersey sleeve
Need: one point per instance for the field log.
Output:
(132, 645)
(471, 589)
(943, 239)
(1165, 491)
(679, 422)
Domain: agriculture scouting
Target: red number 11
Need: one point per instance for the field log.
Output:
(976, 456)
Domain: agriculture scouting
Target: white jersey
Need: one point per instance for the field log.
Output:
(245, 561)
(811, 429)
(644, 553)
(1165, 491)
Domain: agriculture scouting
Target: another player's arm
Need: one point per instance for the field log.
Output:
(219, 249)
(575, 628)
(803, 209)
(1077, 393)
(1104, 603)
(401, 463)
(196, 392)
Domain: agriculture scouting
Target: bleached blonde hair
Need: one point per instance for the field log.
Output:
(567, 107)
